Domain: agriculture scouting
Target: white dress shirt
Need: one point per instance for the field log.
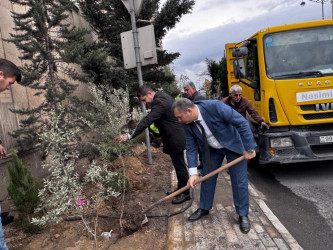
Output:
(212, 141)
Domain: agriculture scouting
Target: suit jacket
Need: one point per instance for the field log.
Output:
(245, 105)
(230, 129)
(170, 129)
(196, 97)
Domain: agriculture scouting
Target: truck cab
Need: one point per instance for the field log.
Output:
(287, 73)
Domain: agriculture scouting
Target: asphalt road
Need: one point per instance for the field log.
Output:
(301, 196)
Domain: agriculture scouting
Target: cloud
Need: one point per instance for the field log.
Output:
(207, 36)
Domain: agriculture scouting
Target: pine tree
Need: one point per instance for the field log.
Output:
(23, 189)
(110, 18)
(47, 45)
(219, 74)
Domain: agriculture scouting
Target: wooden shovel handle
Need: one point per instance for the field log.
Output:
(179, 191)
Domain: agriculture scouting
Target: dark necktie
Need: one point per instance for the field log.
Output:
(205, 142)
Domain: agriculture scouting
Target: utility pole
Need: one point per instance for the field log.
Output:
(138, 67)
(322, 6)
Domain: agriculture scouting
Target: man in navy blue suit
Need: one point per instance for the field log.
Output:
(220, 132)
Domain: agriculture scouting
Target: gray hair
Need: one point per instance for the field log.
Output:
(235, 88)
(190, 84)
(182, 104)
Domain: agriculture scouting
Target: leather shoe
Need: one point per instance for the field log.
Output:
(6, 220)
(181, 198)
(198, 214)
(244, 224)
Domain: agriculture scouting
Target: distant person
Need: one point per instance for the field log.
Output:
(171, 131)
(191, 92)
(220, 132)
(243, 105)
(9, 74)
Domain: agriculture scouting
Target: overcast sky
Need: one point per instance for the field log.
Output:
(213, 23)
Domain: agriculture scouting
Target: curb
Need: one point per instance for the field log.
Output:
(293, 244)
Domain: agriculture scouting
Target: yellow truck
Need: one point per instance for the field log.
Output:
(287, 73)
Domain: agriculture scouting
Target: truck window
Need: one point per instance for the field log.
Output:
(251, 60)
(289, 54)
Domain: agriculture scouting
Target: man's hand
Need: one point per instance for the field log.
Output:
(264, 126)
(3, 152)
(192, 179)
(249, 155)
(121, 138)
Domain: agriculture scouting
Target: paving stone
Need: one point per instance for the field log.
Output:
(253, 217)
(223, 216)
(266, 240)
(176, 246)
(198, 229)
(178, 233)
(253, 234)
(188, 231)
(217, 225)
(246, 242)
(221, 242)
(264, 220)
(259, 229)
(281, 244)
(232, 237)
(191, 247)
(200, 243)
(234, 246)
(273, 233)
(258, 245)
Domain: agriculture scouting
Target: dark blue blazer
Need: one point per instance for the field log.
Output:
(228, 126)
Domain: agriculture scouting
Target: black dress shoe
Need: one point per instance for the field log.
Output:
(6, 220)
(198, 214)
(244, 224)
(181, 198)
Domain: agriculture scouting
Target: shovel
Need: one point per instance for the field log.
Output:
(170, 196)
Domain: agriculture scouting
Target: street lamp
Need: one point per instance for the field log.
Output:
(322, 5)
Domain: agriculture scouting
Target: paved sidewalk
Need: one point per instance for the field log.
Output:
(220, 229)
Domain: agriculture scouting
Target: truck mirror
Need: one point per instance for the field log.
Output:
(239, 52)
(239, 68)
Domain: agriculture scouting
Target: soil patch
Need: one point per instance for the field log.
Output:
(148, 184)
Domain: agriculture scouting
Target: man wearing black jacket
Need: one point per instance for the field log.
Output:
(192, 93)
(172, 133)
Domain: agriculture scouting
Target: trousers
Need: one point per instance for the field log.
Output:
(179, 165)
(2, 236)
(238, 176)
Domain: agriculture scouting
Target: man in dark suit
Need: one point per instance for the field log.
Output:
(192, 93)
(172, 133)
(220, 132)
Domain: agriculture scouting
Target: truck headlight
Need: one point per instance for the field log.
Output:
(281, 142)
